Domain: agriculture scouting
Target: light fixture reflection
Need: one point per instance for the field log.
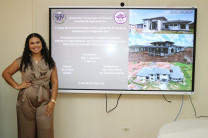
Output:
(111, 48)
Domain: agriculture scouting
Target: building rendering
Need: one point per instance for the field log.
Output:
(161, 23)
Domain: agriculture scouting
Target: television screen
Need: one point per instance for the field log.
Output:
(124, 50)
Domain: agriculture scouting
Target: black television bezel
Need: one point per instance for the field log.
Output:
(127, 91)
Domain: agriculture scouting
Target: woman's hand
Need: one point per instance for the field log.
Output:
(49, 109)
(54, 83)
(23, 85)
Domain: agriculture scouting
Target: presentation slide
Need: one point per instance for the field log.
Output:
(123, 48)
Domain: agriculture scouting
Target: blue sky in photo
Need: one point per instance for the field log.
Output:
(185, 40)
(136, 15)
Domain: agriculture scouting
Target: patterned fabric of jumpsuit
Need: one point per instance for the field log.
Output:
(31, 103)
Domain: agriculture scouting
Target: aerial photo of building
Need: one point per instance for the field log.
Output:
(153, 74)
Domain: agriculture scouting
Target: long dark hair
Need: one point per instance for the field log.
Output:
(26, 56)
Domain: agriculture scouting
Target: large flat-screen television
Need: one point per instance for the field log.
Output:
(129, 50)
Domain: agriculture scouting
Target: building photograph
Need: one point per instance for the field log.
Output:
(162, 21)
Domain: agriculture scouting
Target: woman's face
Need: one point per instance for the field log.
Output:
(35, 45)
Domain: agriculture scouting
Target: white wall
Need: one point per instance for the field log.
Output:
(83, 115)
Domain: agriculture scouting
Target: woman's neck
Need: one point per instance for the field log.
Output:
(37, 57)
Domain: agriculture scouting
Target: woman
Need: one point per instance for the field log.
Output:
(35, 102)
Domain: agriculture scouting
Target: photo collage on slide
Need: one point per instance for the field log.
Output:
(161, 49)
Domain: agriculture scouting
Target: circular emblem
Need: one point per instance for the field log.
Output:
(59, 17)
(120, 17)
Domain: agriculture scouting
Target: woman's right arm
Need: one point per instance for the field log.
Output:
(7, 75)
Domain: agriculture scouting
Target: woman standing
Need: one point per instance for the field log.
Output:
(35, 102)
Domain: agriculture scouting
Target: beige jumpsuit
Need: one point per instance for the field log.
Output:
(32, 102)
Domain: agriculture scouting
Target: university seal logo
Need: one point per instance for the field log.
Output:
(120, 17)
(59, 17)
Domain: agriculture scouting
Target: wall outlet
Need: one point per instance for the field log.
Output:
(125, 129)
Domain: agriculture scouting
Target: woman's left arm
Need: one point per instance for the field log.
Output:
(54, 90)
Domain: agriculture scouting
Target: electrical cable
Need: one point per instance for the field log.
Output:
(180, 109)
(107, 103)
(195, 109)
(166, 99)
